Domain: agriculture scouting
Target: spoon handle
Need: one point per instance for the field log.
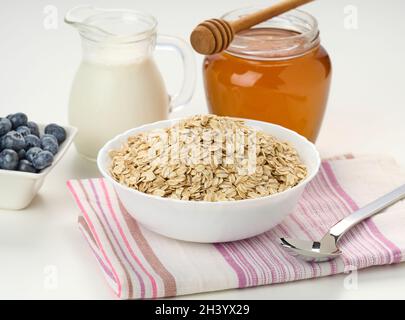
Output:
(367, 211)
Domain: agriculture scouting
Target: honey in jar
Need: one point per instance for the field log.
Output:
(276, 72)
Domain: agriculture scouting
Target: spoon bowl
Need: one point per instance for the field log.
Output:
(312, 251)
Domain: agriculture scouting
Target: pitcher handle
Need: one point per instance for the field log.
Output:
(178, 100)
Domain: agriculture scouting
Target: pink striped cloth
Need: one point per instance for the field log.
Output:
(140, 264)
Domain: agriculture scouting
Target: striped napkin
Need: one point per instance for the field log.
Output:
(138, 263)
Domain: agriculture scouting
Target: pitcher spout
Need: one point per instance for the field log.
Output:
(117, 25)
(80, 17)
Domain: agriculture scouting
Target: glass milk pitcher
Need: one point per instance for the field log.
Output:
(118, 85)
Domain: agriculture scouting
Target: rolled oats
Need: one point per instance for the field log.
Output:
(207, 158)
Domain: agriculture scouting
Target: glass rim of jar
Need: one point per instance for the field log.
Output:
(90, 31)
(302, 23)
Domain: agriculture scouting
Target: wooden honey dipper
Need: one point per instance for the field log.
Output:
(215, 35)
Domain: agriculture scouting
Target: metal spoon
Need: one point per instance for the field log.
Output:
(326, 249)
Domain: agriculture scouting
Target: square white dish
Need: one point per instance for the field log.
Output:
(18, 189)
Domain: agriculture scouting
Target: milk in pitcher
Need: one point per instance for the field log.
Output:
(109, 98)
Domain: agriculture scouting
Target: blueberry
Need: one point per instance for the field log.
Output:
(32, 141)
(32, 153)
(13, 140)
(49, 136)
(18, 119)
(57, 131)
(42, 160)
(33, 128)
(23, 130)
(49, 144)
(8, 159)
(26, 166)
(21, 154)
(5, 126)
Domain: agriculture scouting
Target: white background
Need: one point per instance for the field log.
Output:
(366, 114)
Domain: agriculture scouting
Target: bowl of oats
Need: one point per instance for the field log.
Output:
(208, 178)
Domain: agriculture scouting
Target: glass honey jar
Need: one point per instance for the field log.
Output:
(276, 72)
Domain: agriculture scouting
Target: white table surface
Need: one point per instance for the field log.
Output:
(366, 114)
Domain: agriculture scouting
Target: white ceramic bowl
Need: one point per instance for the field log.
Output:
(18, 189)
(202, 221)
